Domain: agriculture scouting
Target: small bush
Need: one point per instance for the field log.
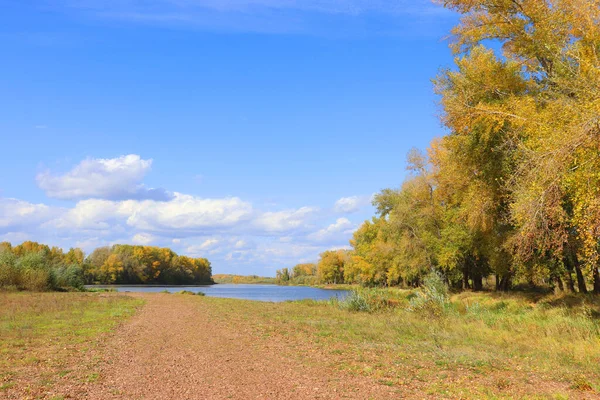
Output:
(186, 292)
(582, 384)
(67, 276)
(200, 294)
(432, 298)
(368, 300)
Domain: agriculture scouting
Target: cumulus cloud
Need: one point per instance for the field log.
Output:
(112, 178)
(281, 221)
(241, 244)
(207, 244)
(16, 214)
(183, 214)
(143, 238)
(341, 226)
(115, 209)
(352, 204)
(188, 213)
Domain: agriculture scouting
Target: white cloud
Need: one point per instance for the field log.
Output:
(143, 239)
(287, 220)
(184, 214)
(209, 244)
(112, 178)
(14, 237)
(341, 226)
(348, 205)
(241, 244)
(335, 248)
(188, 214)
(18, 213)
(229, 231)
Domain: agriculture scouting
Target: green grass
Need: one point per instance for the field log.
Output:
(482, 346)
(44, 336)
(243, 279)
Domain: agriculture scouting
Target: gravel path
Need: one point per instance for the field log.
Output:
(174, 348)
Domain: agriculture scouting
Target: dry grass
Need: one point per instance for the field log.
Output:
(44, 338)
(483, 346)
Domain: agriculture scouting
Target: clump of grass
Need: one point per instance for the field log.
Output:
(166, 292)
(367, 300)
(186, 292)
(432, 298)
(100, 290)
(200, 294)
(582, 384)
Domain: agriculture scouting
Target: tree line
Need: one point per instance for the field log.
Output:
(35, 266)
(512, 192)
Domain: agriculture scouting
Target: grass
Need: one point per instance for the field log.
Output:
(243, 279)
(482, 345)
(476, 346)
(45, 336)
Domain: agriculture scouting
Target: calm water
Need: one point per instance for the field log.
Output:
(248, 292)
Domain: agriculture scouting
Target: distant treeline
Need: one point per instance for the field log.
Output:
(301, 274)
(239, 279)
(35, 266)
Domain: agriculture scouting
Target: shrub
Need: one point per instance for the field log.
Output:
(432, 298)
(35, 271)
(368, 300)
(8, 270)
(67, 276)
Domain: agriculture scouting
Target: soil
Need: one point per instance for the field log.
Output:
(175, 348)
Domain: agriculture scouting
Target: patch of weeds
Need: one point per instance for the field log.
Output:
(367, 300)
(93, 377)
(582, 384)
(7, 385)
(202, 294)
(502, 383)
(186, 292)
(432, 299)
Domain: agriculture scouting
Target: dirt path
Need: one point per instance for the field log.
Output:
(175, 349)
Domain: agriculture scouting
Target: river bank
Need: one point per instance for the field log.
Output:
(177, 346)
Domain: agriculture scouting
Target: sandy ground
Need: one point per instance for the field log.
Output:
(173, 348)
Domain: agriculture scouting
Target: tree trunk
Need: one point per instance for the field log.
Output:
(465, 277)
(559, 283)
(596, 281)
(505, 283)
(477, 282)
(580, 279)
(570, 283)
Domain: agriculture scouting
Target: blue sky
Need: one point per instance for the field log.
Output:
(251, 132)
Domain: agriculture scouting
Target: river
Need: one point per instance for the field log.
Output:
(272, 293)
